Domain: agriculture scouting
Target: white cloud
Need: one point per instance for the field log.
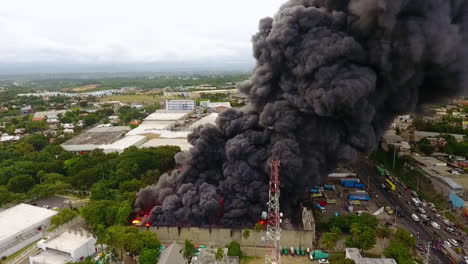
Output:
(93, 31)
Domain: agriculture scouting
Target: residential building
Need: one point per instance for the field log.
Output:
(187, 105)
(26, 110)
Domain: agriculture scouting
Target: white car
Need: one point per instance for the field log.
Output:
(453, 242)
(422, 210)
(447, 244)
(323, 261)
(423, 204)
(424, 217)
(415, 217)
(435, 225)
(447, 222)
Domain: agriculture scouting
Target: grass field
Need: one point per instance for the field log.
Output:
(143, 99)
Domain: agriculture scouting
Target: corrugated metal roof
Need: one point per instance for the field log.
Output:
(451, 183)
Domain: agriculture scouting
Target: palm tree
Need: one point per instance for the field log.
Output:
(246, 233)
(219, 254)
(188, 251)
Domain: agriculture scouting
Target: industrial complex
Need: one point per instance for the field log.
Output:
(163, 127)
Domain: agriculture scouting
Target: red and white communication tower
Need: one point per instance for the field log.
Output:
(273, 228)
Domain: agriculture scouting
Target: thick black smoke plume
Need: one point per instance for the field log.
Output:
(330, 77)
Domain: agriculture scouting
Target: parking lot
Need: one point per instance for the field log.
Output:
(336, 202)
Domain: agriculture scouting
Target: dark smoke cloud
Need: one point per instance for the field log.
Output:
(330, 77)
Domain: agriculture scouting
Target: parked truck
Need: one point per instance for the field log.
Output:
(359, 185)
(315, 190)
(343, 180)
(329, 187)
(359, 197)
(321, 208)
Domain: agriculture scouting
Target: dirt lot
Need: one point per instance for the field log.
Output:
(83, 88)
(144, 99)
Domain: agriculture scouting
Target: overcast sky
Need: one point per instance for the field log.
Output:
(129, 31)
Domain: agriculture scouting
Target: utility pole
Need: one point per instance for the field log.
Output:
(428, 252)
(396, 213)
(394, 154)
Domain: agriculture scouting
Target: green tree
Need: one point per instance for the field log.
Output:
(219, 254)
(246, 233)
(383, 232)
(64, 216)
(51, 178)
(104, 190)
(5, 196)
(151, 177)
(258, 227)
(131, 186)
(405, 237)
(123, 213)
(425, 146)
(329, 240)
(362, 237)
(339, 258)
(149, 256)
(234, 249)
(188, 251)
(149, 239)
(20, 183)
(400, 252)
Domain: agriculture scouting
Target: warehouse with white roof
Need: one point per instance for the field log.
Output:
(21, 225)
(70, 246)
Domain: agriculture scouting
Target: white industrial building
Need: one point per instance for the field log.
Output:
(95, 138)
(122, 144)
(180, 105)
(21, 225)
(209, 119)
(70, 246)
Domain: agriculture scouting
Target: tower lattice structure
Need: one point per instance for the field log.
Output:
(273, 228)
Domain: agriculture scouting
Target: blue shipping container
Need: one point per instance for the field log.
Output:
(359, 185)
(329, 187)
(349, 180)
(359, 197)
(348, 184)
(314, 190)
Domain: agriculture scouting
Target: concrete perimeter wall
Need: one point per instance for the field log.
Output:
(222, 236)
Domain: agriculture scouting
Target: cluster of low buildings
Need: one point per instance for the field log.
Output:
(97, 94)
(163, 127)
(445, 171)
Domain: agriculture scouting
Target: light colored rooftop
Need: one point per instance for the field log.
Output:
(157, 142)
(422, 134)
(218, 104)
(21, 217)
(209, 119)
(167, 115)
(171, 255)
(50, 113)
(124, 143)
(95, 137)
(51, 257)
(108, 128)
(354, 254)
(68, 241)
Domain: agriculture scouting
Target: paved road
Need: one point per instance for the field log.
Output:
(400, 201)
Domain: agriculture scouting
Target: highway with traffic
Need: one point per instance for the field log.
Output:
(401, 201)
